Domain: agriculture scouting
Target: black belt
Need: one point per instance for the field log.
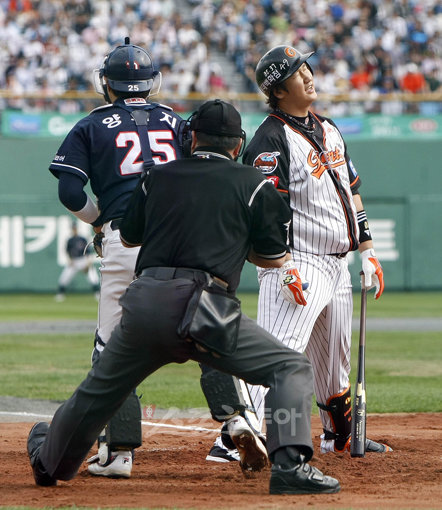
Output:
(338, 255)
(115, 224)
(171, 273)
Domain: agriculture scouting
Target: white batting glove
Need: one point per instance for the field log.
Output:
(292, 287)
(373, 273)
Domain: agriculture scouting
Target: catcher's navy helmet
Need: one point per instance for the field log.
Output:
(128, 68)
(277, 65)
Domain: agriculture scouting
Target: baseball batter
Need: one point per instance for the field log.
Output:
(306, 158)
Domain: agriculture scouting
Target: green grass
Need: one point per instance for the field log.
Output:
(401, 304)
(404, 369)
(27, 307)
(51, 366)
(21, 307)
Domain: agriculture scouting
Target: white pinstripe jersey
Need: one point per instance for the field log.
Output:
(312, 169)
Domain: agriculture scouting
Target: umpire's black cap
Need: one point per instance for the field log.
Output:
(217, 117)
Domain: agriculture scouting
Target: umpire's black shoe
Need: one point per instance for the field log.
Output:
(301, 479)
(36, 438)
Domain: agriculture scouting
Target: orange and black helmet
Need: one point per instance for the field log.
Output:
(277, 65)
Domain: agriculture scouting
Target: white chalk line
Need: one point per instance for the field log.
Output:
(146, 423)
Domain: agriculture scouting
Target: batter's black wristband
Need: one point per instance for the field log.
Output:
(364, 229)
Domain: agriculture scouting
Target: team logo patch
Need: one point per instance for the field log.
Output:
(267, 162)
(135, 100)
(274, 179)
(290, 52)
(352, 168)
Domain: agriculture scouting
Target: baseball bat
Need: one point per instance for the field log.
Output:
(359, 417)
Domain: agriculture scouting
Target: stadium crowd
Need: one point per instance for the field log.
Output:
(362, 48)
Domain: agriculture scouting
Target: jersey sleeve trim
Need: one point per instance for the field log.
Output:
(67, 168)
(272, 257)
(355, 181)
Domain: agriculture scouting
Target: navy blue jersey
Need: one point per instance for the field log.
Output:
(104, 148)
(75, 247)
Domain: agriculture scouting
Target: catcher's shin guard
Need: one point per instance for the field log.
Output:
(339, 409)
(123, 432)
(124, 428)
(223, 393)
(227, 397)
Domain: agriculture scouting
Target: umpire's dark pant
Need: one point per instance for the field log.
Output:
(145, 340)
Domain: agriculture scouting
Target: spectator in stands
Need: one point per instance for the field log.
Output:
(361, 78)
(413, 80)
(217, 85)
(65, 39)
(433, 80)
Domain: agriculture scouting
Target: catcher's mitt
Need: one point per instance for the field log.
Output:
(98, 244)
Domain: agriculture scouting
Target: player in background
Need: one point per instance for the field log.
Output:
(105, 150)
(306, 158)
(78, 260)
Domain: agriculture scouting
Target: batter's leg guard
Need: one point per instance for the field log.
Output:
(339, 409)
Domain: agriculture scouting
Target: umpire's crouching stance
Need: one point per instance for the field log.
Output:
(197, 220)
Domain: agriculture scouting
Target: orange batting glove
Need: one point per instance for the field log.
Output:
(291, 285)
(374, 275)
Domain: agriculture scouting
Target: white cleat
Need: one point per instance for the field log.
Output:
(119, 465)
(252, 452)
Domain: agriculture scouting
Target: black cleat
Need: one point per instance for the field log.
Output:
(374, 447)
(301, 479)
(36, 438)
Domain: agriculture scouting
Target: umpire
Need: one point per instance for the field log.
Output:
(203, 217)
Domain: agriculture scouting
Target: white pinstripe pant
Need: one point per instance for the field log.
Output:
(321, 329)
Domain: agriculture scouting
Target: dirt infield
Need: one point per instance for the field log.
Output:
(170, 472)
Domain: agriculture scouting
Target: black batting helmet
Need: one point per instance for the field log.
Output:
(128, 68)
(277, 65)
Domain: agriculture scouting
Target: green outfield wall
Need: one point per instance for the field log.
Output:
(398, 159)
